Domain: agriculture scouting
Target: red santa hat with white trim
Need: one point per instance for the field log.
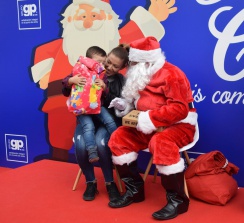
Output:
(145, 50)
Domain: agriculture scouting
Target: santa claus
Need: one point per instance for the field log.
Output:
(161, 91)
(86, 23)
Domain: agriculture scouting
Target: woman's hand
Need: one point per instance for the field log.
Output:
(100, 83)
(78, 80)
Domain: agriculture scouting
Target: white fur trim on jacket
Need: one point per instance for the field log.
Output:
(158, 64)
(171, 169)
(41, 69)
(147, 23)
(125, 158)
(191, 118)
(144, 123)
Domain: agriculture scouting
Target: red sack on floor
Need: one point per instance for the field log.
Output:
(209, 178)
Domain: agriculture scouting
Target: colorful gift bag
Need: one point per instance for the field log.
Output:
(86, 99)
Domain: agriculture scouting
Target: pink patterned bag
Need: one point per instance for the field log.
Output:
(87, 99)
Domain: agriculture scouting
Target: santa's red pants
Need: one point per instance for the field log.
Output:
(163, 145)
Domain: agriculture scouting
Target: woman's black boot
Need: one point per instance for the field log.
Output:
(113, 191)
(91, 191)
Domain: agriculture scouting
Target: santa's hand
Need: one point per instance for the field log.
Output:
(162, 9)
(144, 123)
(121, 106)
(118, 103)
(44, 81)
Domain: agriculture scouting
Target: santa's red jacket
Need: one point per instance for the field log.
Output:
(164, 102)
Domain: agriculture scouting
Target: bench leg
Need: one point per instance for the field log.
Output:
(148, 168)
(77, 179)
(119, 180)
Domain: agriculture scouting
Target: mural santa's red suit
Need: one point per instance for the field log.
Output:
(86, 23)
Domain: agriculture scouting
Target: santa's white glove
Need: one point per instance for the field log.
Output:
(118, 103)
(121, 106)
(144, 123)
(120, 113)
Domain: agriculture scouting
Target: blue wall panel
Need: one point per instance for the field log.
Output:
(205, 38)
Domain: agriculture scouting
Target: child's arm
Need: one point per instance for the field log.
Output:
(68, 81)
(66, 87)
(77, 79)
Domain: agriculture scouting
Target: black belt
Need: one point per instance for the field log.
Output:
(54, 88)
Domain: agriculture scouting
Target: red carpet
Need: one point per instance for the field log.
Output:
(4, 169)
(42, 192)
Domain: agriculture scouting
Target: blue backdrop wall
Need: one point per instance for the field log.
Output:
(205, 38)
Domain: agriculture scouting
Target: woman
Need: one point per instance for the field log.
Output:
(116, 60)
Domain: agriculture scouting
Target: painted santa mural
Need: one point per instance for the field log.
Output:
(86, 23)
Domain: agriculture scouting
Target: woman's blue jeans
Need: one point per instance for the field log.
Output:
(105, 160)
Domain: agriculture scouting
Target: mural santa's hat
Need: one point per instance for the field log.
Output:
(88, 1)
(145, 50)
(101, 4)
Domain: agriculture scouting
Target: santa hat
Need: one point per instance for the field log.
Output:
(145, 50)
(101, 4)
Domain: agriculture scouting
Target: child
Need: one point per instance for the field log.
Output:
(87, 83)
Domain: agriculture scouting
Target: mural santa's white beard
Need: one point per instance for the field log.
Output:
(77, 37)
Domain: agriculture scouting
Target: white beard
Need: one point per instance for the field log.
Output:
(77, 39)
(137, 77)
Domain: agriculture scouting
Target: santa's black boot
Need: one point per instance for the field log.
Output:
(178, 201)
(134, 185)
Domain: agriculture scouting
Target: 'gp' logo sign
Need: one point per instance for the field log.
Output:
(16, 144)
(16, 148)
(29, 10)
(29, 14)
